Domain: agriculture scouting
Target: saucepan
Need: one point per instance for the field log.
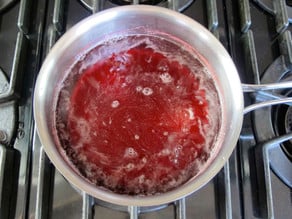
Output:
(87, 34)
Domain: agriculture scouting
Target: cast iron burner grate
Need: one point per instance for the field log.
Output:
(269, 6)
(129, 208)
(176, 5)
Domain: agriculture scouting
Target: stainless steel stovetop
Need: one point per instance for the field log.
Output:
(256, 182)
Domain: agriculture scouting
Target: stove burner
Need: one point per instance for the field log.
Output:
(268, 6)
(182, 4)
(4, 4)
(128, 2)
(288, 120)
(276, 121)
(288, 125)
(283, 115)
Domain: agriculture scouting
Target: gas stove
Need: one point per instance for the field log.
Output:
(255, 182)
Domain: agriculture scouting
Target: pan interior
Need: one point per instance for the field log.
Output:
(193, 141)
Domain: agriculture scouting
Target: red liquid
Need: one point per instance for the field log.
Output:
(137, 122)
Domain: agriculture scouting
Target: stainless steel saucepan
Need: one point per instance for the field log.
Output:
(87, 34)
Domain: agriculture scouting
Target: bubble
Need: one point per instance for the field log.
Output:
(184, 129)
(166, 78)
(115, 104)
(130, 166)
(144, 160)
(129, 120)
(139, 88)
(147, 91)
(164, 152)
(141, 178)
(129, 79)
(177, 150)
(130, 152)
(137, 137)
(165, 133)
(163, 66)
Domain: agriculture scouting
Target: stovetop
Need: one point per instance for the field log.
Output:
(256, 181)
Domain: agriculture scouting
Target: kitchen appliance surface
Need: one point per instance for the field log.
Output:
(255, 182)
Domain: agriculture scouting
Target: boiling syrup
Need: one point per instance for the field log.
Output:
(137, 120)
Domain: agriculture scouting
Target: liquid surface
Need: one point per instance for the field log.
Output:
(138, 121)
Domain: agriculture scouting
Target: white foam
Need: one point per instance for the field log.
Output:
(83, 128)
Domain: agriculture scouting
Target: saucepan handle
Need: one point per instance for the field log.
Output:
(267, 98)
